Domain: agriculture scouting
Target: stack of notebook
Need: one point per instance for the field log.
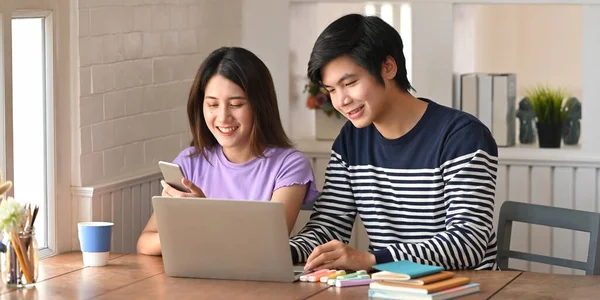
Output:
(408, 280)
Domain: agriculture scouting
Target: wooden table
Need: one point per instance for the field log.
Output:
(142, 277)
(551, 286)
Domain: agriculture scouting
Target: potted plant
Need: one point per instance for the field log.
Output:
(318, 98)
(548, 106)
(328, 121)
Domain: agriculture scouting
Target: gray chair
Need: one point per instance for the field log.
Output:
(553, 217)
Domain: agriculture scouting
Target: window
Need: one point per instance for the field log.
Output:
(386, 12)
(370, 10)
(406, 34)
(31, 116)
(403, 23)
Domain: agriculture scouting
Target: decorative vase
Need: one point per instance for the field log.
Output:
(20, 262)
(328, 127)
(526, 117)
(571, 132)
(572, 124)
(549, 134)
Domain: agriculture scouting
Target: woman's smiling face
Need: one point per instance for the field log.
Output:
(227, 113)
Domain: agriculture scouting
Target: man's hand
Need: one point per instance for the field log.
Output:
(337, 255)
(169, 191)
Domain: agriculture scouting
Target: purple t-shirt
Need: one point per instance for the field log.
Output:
(253, 180)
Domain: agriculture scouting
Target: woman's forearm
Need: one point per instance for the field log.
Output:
(149, 243)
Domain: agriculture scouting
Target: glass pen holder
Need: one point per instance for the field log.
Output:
(20, 259)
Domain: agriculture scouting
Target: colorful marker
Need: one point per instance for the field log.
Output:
(305, 276)
(359, 277)
(355, 278)
(333, 276)
(361, 272)
(353, 282)
(317, 278)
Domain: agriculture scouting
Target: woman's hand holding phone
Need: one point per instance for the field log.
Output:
(169, 191)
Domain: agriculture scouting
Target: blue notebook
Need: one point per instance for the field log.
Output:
(408, 269)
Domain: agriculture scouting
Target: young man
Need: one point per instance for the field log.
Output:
(421, 176)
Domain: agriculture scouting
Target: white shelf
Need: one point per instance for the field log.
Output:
(571, 156)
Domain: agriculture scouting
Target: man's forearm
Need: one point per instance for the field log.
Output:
(456, 248)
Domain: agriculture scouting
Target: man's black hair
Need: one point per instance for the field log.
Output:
(367, 40)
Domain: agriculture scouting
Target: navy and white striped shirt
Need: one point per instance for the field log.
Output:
(426, 197)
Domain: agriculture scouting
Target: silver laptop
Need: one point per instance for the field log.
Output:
(224, 239)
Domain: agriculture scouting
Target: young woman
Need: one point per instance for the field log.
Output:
(239, 149)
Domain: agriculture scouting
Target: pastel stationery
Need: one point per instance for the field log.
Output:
(305, 276)
(386, 276)
(362, 276)
(316, 278)
(353, 282)
(333, 276)
(405, 269)
(351, 275)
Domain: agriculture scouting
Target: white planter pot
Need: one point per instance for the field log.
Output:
(327, 127)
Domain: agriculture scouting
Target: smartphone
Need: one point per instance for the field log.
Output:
(173, 175)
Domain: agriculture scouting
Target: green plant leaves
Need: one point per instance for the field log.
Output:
(548, 103)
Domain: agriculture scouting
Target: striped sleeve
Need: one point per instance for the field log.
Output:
(333, 212)
(468, 167)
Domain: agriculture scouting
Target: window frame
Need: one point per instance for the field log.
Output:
(61, 137)
(49, 133)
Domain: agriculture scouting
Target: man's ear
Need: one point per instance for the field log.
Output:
(389, 68)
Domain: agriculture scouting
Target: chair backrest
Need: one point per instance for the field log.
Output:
(553, 217)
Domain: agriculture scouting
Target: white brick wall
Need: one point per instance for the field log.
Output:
(136, 64)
